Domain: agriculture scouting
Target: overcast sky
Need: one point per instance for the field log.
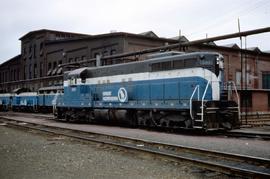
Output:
(195, 18)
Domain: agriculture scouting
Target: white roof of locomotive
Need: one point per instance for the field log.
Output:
(27, 94)
(5, 94)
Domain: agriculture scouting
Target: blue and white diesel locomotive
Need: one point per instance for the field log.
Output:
(172, 89)
(5, 101)
(22, 100)
(25, 101)
(47, 97)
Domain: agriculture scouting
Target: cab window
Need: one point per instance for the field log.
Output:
(73, 81)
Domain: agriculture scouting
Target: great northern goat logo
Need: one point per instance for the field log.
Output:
(122, 95)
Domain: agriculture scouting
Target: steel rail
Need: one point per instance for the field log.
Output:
(208, 159)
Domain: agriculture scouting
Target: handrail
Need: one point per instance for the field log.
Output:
(54, 101)
(204, 93)
(190, 100)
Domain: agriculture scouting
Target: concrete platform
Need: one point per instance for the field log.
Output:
(252, 147)
(254, 130)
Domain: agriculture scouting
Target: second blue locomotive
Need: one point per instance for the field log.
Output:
(23, 100)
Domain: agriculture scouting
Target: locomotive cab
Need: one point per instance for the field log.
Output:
(77, 97)
(214, 63)
(221, 112)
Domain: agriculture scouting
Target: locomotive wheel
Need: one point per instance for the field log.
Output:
(164, 123)
(59, 114)
(133, 119)
(67, 116)
(90, 117)
(142, 122)
(142, 118)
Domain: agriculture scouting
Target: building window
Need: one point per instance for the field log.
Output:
(18, 74)
(113, 51)
(238, 78)
(30, 71)
(83, 58)
(11, 75)
(70, 60)
(14, 76)
(96, 54)
(246, 99)
(59, 71)
(54, 65)
(268, 99)
(49, 69)
(24, 72)
(24, 53)
(41, 49)
(49, 65)
(30, 51)
(105, 53)
(41, 69)
(266, 80)
(35, 70)
(6, 76)
(34, 49)
(54, 68)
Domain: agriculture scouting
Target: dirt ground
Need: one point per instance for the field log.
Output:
(28, 154)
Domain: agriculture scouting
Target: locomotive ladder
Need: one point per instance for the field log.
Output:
(199, 120)
(202, 105)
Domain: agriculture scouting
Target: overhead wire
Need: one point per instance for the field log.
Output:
(225, 19)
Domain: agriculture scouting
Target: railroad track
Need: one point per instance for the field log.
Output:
(239, 165)
(25, 114)
(232, 134)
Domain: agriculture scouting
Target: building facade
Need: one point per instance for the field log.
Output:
(42, 52)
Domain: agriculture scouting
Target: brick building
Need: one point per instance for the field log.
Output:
(43, 50)
(255, 88)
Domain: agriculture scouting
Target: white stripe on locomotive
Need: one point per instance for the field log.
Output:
(178, 73)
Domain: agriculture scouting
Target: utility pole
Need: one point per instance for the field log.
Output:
(180, 34)
(246, 81)
(241, 60)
